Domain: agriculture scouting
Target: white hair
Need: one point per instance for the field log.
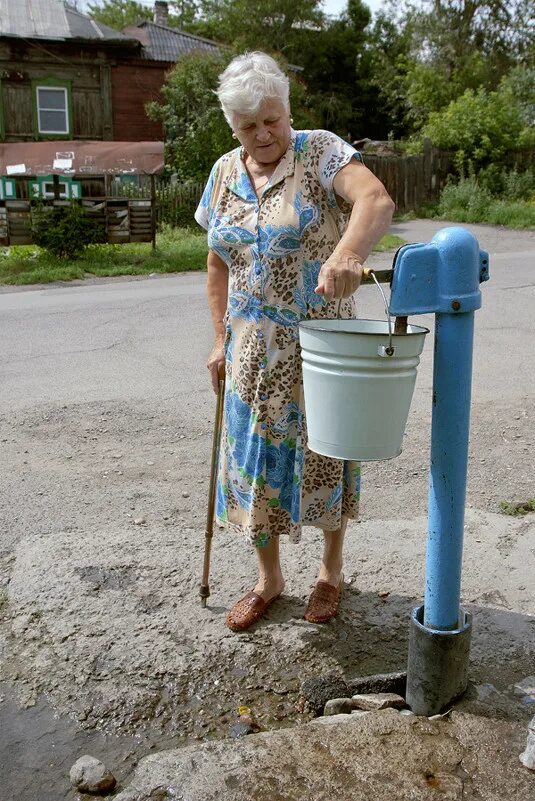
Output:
(247, 81)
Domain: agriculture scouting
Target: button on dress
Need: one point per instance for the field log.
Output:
(269, 482)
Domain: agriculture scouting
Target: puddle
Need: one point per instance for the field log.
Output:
(38, 748)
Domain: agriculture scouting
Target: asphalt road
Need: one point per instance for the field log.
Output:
(148, 338)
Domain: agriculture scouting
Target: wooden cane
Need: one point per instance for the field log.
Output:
(204, 590)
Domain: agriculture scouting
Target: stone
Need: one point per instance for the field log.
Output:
(527, 689)
(317, 690)
(375, 701)
(380, 683)
(249, 721)
(90, 775)
(240, 729)
(527, 757)
(338, 706)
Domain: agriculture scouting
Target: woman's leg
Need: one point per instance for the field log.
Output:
(332, 561)
(325, 598)
(269, 586)
(270, 581)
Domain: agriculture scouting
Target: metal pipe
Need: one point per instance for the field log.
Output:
(443, 278)
(452, 382)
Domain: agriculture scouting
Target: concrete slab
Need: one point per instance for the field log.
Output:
(382, 756)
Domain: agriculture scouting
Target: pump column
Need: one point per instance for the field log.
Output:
(443, 278)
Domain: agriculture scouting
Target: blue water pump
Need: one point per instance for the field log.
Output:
(443, 278)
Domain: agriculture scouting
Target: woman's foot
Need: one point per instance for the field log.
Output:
(324, 601)
(330, 573)
(254, 604)
(269, 587)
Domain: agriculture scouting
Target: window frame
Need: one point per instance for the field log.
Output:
(52, 83)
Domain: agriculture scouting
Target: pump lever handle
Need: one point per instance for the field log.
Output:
(383, 276)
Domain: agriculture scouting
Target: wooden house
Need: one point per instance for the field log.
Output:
(66, 76)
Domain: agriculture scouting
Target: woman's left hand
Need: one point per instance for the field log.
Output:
(340, 276)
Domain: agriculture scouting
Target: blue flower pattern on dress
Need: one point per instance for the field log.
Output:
(278, 241)
(292, 419)
(242, 187)
(245, 305)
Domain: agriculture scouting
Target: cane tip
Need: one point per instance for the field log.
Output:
(203, 603)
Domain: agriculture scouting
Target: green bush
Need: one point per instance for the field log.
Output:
(466, 198)
(64, 231)
(472, 201)
(480, 127)
(507, 184)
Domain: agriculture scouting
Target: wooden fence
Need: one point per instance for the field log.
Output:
(130, 212)
(121, 220)
(411, 181)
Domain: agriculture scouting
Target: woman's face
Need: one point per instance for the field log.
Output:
(266, 135)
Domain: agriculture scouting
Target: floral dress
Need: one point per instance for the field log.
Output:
(269, 482)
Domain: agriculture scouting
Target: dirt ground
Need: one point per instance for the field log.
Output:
(103, 506)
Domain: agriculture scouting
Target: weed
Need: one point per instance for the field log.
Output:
(518, 509)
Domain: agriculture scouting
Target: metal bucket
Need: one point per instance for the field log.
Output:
(358, 382)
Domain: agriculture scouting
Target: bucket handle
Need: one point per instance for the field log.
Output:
(381, 350)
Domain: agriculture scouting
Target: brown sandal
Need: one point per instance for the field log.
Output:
(247, 611)
(324, 602)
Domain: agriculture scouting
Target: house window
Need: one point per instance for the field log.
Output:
(52, 110)
(43, 187)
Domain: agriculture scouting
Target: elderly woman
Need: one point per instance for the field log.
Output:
(291, 217)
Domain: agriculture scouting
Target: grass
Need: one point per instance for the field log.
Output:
(518, 509)
(518, 214)
(177, 250)
(389, 242)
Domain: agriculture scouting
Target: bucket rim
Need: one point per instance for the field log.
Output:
(313, 325)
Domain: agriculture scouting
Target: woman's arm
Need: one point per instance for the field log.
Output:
(217, 291)
(371, 216)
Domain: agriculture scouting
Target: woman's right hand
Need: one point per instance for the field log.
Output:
(216, 365)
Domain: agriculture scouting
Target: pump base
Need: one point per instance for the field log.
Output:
(437, 671)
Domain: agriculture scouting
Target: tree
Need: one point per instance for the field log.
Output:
(426, 54)
(331, 59)
(387, 61)
(196, 132)
(257, 24)
(480, 127)
(120, 13)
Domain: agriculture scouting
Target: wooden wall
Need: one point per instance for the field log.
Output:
(110, 87)
(86, 68)
(134, 85)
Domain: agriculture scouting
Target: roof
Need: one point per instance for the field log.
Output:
(162, 43)
(81, 158)
(52, 20)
